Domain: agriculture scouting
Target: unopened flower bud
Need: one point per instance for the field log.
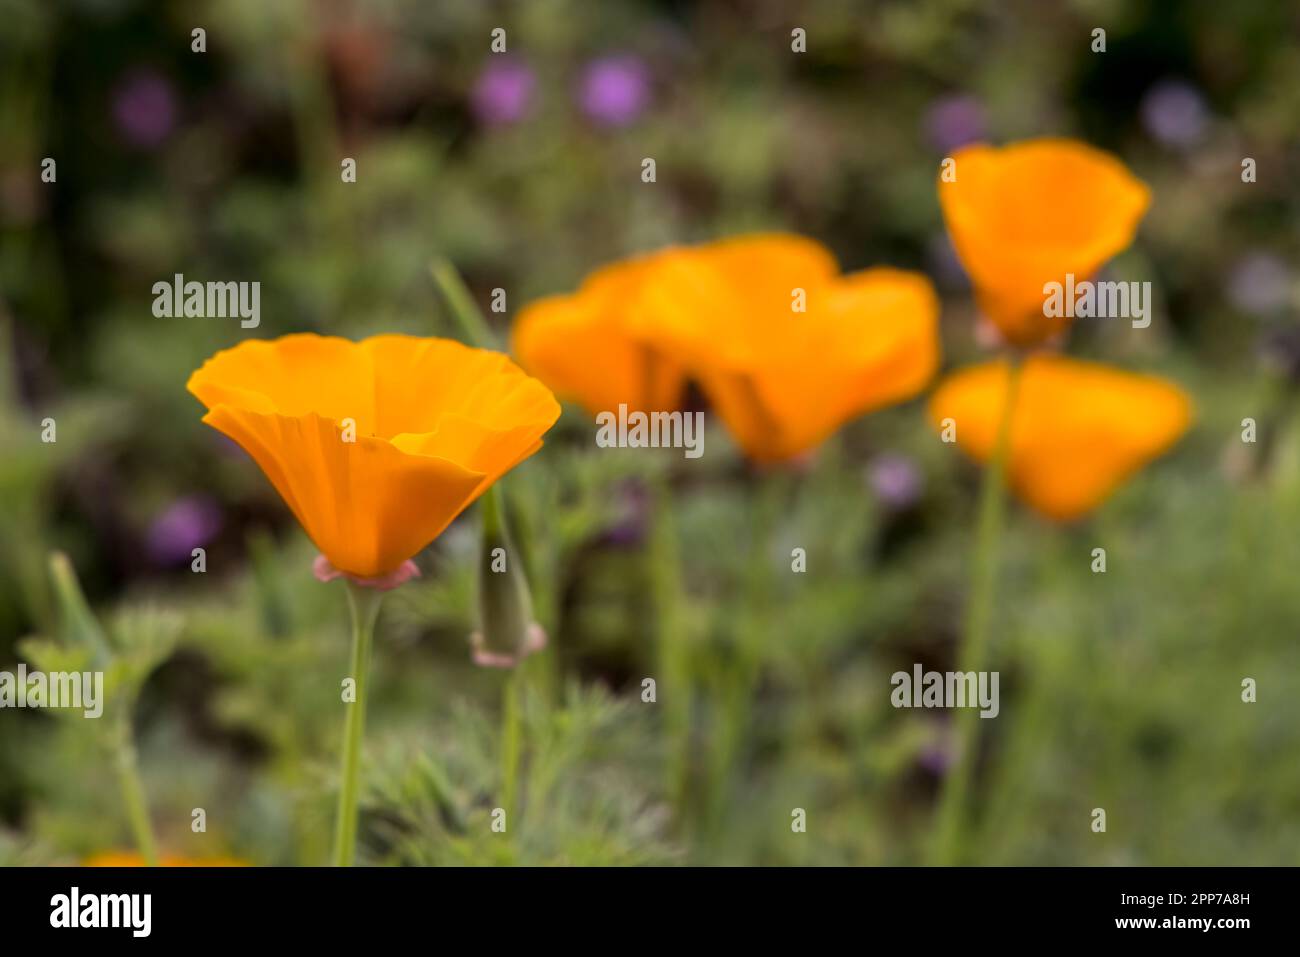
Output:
(507, 632)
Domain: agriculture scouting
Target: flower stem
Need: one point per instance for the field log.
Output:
(312, 112)
(949, 835)
(464, 310)
(511, 739)
(740, 682)
(363, 603)
(674, 657)
(128, 776)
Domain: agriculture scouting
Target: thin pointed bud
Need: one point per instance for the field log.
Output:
(76, 622)
(508, 633)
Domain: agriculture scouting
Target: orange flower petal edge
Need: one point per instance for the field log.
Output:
(1026, 214)
(1079, 429)
(585, 345)
(375, 446)
(786, 348)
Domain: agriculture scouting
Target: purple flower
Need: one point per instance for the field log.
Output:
(186, 524)
(936, 757)
(503, 92)
(896, 481)
(629, 529)
(144, 108)
(1260, 284)
(1174, 113)
(954, 121)
(1279, 347)
(614, 90)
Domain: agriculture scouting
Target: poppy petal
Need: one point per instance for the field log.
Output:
(1030, 213)
(1079, 428)
(366, 504)
(787, 379)
(375, 446)
(585, 346)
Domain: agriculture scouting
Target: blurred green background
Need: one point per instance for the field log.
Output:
(1119, 691)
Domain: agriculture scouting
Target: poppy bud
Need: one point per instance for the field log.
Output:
(508, 633)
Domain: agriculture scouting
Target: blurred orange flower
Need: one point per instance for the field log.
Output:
(1078, 429)
(1029, 213)
(133, 859)
(786, 348)
(375, 445)
(584, 345)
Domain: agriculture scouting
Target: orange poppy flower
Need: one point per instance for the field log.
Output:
(375, 445)
(585, 347)
(133, 859)
(786, 348)
(1079, 429)
(1027, 214)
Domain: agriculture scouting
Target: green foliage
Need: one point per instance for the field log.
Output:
(587, 793)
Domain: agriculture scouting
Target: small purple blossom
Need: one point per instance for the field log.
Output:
(1279, 348)
(144, 108)
(1174, 114)
(1260, 284)
(936, 757)
(896, 480)
(614, 90)
(629, 529)
(503, 92)
(186, 524)
(954, 121)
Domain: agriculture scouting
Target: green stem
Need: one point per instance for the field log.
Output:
(312, 111)
(973, 651)
(464, 310)
(511, 739)
(1277, 398)
(363, 603)
(674, 655)
(128, 776)
(740, 681)
(78, 623)
(78, 626)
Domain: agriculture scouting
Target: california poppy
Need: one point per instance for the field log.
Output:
(1078, 429)
(375, 445)
(787, 348)
(587, 347)
(1030, 213)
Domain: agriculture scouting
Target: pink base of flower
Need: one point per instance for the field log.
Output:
(325, 571)
(490, 659)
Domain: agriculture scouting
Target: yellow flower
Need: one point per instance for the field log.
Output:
(1078, 429)
(375, 445)
(584, 346)
(786, 348)
(1027, 214)
(133, 859)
